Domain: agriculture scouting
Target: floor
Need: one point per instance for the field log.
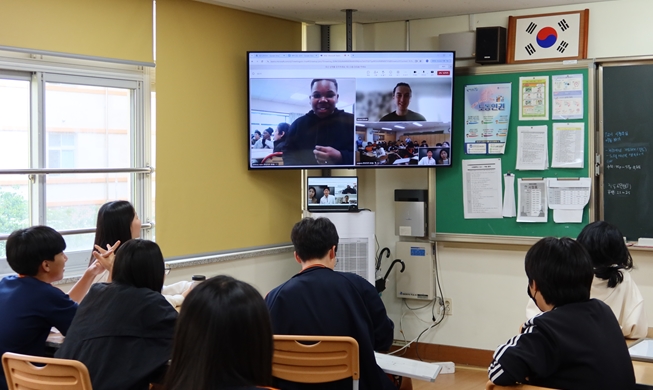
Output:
(465, 378)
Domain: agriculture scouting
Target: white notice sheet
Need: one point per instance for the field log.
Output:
(531, 201)
(509, 208)
(568, 145)
(567, 96)
(482, 188)
(568, 198)
(532, 148)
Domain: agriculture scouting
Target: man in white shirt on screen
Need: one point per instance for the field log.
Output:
(428, 159)
(327, 199)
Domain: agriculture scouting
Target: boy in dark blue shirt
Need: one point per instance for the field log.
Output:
(576, 343)
(29, 304)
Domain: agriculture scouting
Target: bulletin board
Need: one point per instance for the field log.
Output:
(450, 222)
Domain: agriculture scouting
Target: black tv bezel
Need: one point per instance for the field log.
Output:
(365, 166)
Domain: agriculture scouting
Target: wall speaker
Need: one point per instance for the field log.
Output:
(490, 45)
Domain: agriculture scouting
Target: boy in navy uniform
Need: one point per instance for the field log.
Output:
(576, 343)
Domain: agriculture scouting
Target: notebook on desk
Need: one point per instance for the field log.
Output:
(642, 350)
(407, 367)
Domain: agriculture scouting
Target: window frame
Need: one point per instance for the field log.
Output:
(41, 69)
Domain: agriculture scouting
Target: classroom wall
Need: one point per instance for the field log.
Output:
(486, 282)
(207, 200)
(118, 29)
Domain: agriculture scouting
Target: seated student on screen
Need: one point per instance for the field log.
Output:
(123, 330)
(576, 343)
(321, 302)
(327, 198)
(428, 159)
(325, 135)
(234, 349)
(443, 157)
(29, 304)
(401, 95)
(612, 282)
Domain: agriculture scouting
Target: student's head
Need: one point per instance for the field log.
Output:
(401, 95)
(311, 192)
(314, 238)
(235, 347)
(267, 133)
(444, 154)
(324, 96)
(282, 129)
(326, 191)
(429, 153)
(605, 244)
(560, 269)
(36, 249)
(116, 221)
(257, 135)
(139, 263)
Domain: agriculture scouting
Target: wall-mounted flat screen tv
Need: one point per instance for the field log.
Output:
(349, 109)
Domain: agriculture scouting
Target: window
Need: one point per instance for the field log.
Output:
(72, 137)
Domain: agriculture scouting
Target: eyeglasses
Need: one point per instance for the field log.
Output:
(327, 95)
(166, 270)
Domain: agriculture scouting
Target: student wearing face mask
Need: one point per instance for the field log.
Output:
(576, 343)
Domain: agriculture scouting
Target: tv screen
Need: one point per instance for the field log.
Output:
(332, 194)
(349, 109)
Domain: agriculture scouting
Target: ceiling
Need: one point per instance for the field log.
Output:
(374, 11)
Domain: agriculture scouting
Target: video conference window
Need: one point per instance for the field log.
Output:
(350, 109)
(332, 192)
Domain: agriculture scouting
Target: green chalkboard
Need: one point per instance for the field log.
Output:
(627, 124)
(449, 182)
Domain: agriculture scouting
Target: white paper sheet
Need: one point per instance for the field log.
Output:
(509, 208)
(531, 201)
(482, 188)
(568, 145)
(567, 95)
(532, 148)
(568, 198)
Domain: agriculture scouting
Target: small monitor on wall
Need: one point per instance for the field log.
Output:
(349, 109)
(332, 194)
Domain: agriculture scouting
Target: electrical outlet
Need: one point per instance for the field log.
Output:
(448, 307)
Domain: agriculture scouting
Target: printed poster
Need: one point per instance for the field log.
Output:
(487, 117)
(534, 98)
(567, 91)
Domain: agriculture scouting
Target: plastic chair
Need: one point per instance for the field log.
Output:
(491, 386)
(315, 359)
(56, 374)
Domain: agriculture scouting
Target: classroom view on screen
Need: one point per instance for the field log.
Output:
(332, 193)
(350, 109)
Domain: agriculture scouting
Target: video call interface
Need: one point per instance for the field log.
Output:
(354, 109)
(325, 192)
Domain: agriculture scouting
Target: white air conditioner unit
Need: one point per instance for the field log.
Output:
(356, 245)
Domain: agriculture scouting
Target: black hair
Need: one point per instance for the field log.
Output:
(335, 83)
(269, 130)
(313, 238)
(223, 338)
(283, 127)
(27, 248)
(139, 263)
(608, 252)
(114, 220)
(314, 192)
(259, 133)
(401, 85)
(429, 150)
(562, 270)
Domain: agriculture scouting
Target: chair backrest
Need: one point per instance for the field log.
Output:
(55, 374)
(315, 359)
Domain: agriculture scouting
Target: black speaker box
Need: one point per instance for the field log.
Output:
(490, 45)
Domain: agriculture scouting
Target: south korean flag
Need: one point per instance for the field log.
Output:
(546, 37)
